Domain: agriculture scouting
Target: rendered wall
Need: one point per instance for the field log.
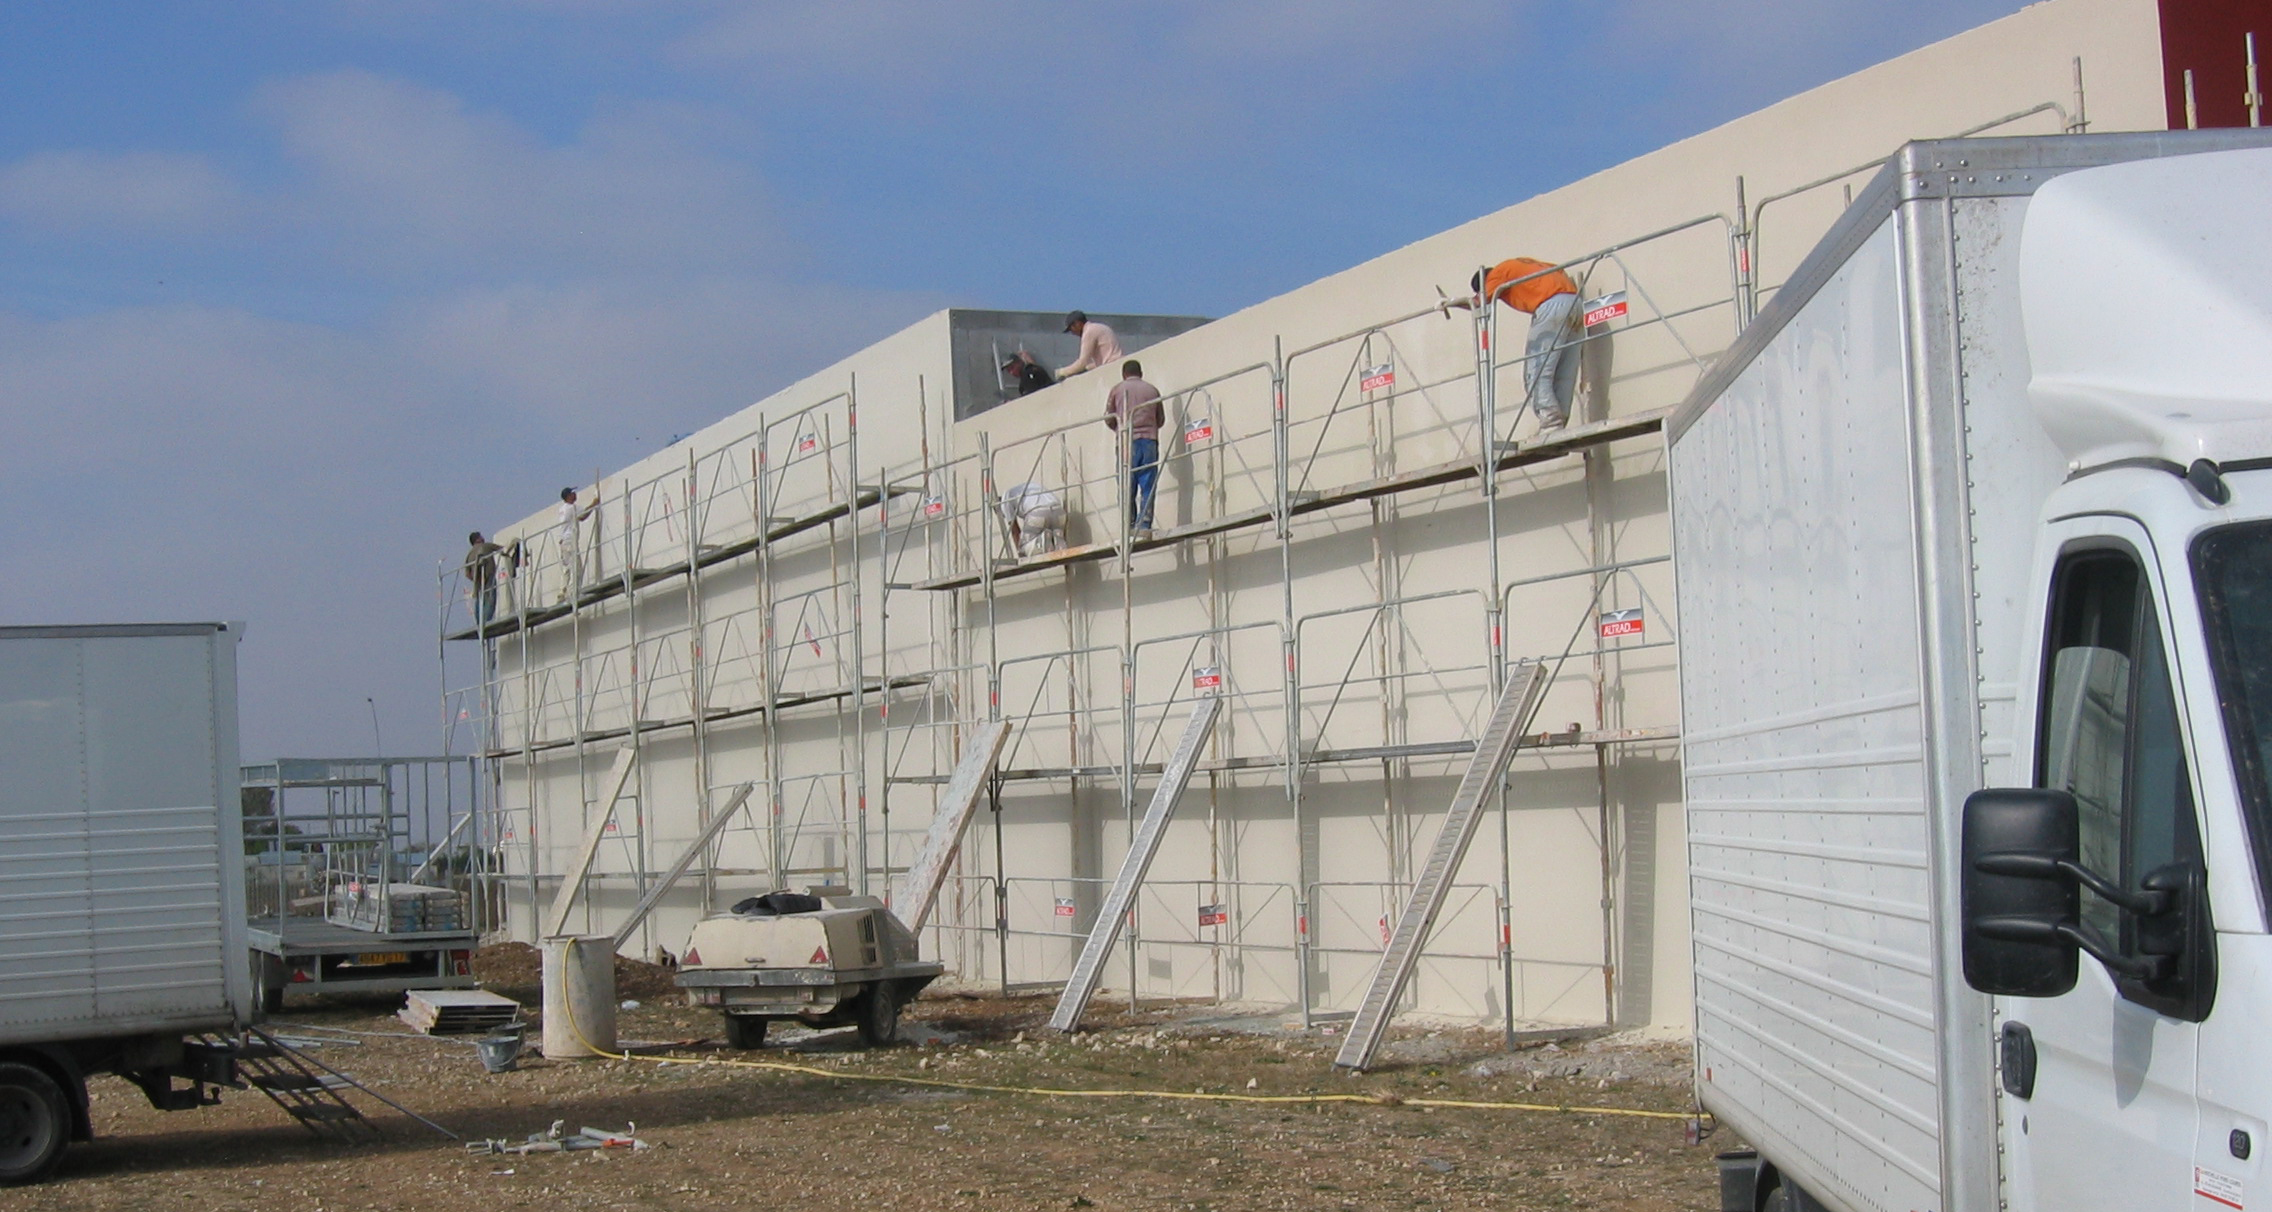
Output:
(1363, 678)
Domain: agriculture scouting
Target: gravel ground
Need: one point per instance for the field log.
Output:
(725, 1137)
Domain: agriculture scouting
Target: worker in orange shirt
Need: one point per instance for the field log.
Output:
(1550, 364)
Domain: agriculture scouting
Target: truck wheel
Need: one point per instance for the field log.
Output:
(35, 1123)
(1778, 1200)
(745, 1031)
(879, 1016)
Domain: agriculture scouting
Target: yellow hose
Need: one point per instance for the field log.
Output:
(1383, 1100)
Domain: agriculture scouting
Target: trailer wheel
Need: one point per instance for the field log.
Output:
(745, 1031)
(268, 981)
(35, 1123)
(879, 1016)
(1778, 1200)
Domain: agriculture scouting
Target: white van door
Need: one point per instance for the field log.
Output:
(2107, 1117)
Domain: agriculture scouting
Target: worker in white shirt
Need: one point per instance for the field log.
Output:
(1098, 344)
(571, 540)
(1035, 519)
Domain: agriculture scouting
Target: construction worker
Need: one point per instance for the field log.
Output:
(569, 534)
(1550, 364)
(1138, 402)
(481, 577)
(1034, 518)
(1098, 344)
(1030, 376)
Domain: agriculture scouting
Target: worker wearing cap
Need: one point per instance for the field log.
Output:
(1098, 344)
(1030, 376)
(1550, 298)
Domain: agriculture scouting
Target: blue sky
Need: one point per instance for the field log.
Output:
(293, 293)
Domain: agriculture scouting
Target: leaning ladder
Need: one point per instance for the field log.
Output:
(1173, 779)
(1501, 737)
(919, 886)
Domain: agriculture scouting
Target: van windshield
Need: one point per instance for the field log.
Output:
(2232, 571)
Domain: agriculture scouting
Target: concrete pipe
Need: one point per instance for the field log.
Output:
(579, 996)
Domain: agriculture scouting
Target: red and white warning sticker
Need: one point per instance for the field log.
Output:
(1064, 906)
(1606, 308)
(2219, 1188)
(1198, 430)
(1207, 677)
(934, 507)
(1615, 623)
(808, 443)
(1378, 377)
(1214, 915)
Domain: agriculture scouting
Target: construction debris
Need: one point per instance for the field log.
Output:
(555, 1140)
(458, 1012)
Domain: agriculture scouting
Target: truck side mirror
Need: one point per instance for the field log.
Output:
(2013, 945)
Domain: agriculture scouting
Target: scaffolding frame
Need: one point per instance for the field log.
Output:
(786, 500)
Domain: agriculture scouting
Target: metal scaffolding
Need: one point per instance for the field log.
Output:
(771, 615)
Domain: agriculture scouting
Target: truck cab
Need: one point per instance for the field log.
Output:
(2114, 898)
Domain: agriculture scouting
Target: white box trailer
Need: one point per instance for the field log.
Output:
(1980, 501)
(122, 916)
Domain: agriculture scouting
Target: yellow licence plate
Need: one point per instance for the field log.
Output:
(373, 959)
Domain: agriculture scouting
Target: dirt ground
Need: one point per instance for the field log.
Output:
(737, 1138)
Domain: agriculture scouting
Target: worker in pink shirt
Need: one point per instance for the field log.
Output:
(1098, 344)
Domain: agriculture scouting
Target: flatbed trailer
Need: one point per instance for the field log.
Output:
(364, 875)
(309, 955)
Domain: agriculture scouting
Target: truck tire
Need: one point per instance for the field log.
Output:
(879, 1016)
(35, 1124)
(745, 1031)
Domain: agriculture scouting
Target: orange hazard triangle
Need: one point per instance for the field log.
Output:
(693, 958)
(820, 956)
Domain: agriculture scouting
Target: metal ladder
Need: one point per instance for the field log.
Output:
(1146, 843)
(919, 885)
(1493, 750)
(281, 1072)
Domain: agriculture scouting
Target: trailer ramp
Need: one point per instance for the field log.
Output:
(1146, 843)
(1526, 684)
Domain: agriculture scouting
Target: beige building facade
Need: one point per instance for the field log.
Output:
(801, 613)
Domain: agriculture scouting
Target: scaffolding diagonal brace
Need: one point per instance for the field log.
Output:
(1145, 844)
(1493, 750)
(685, 861)
(556, 921)
(919, 887)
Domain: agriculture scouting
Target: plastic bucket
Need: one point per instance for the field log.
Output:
(500, 1053)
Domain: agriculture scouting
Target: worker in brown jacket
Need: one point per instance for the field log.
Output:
(1550, 298)
(1138, 404)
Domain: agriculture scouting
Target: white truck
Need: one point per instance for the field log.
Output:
(1973, 530)
(122, 916)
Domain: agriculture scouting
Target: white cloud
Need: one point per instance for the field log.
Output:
(126, 193)
(404, 175)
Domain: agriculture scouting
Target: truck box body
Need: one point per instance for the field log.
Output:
(1858, 489)
(121, 869)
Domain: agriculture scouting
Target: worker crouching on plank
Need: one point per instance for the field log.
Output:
(1138, 402)
(1034, 517)
(1550, 363)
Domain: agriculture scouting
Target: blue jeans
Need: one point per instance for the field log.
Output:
(1550, 358)
(1143, 480)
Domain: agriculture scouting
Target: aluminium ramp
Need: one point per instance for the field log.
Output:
(1173, 779)
(1493, 750)
(919, 885)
